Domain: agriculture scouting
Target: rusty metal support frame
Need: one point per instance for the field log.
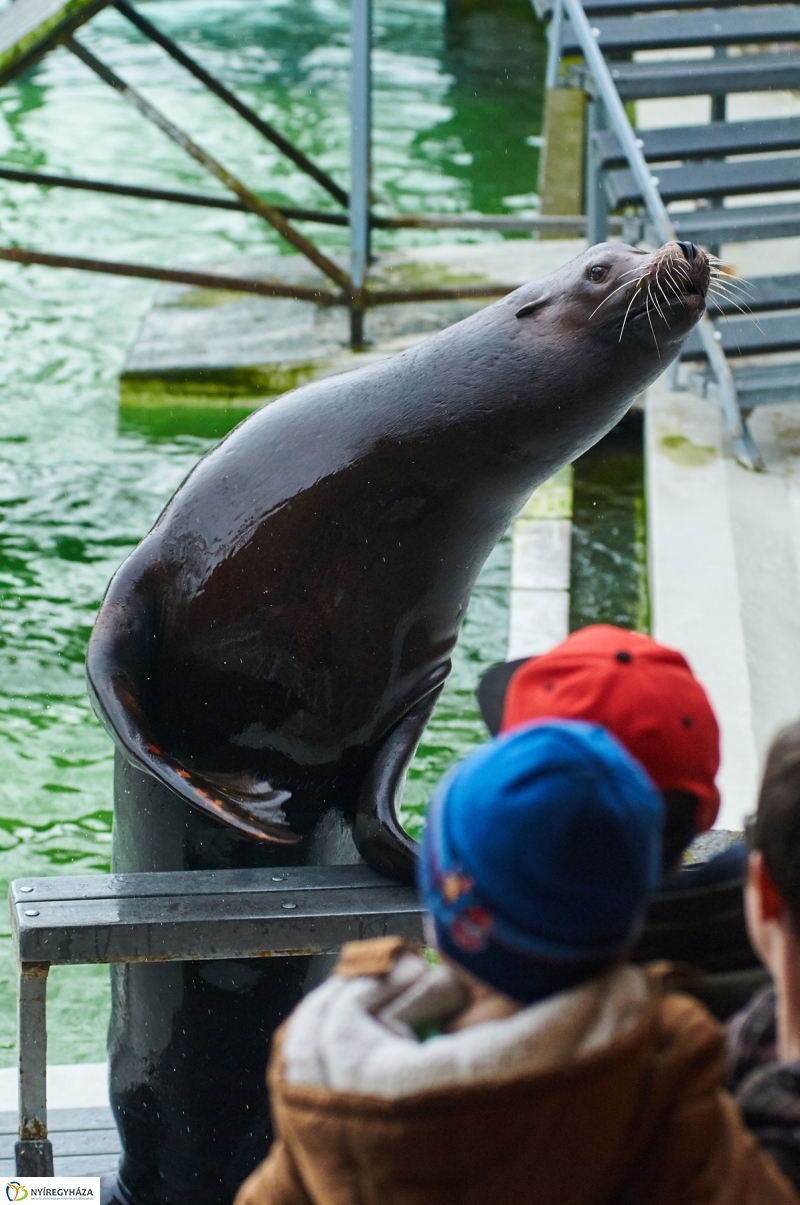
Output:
(33, 1150)
(243, 284)
(264, 128)
(249, 199)
(164, 194)
(352, 290)
(504, 222)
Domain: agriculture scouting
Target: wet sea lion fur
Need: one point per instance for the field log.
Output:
(276, 644)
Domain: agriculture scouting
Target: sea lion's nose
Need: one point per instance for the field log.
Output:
(689, 250)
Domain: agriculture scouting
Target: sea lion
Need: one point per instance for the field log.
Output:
(277, 642)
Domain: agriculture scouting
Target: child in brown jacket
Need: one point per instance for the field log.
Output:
(535, 1066)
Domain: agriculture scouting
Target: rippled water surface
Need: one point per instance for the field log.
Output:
(453, 118)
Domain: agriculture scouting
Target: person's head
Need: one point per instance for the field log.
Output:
(539, 854)
(644, 693)
(772, 895)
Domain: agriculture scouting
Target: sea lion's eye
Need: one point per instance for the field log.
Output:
(598, 273)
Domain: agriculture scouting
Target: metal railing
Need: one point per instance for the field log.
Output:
(746, 450)
(341, 287)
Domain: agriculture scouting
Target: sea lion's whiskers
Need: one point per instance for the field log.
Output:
(619, 288)
(650, 320)
(736, 302)
(666, 299)
(733, 287)
(653, 298)
(625, 319)
(739, 282)
(746, 312)
(724, 290)
(673, 284)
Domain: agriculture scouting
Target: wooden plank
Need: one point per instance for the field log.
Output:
(725, 27)
(211, 926)
(195, 882)
(713, 178)
(64, 1119)
(71, 1143)
(703, 77)
(718, 138)
(84, 1165)
(29, 28)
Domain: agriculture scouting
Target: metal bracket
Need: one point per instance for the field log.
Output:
(34, 1151)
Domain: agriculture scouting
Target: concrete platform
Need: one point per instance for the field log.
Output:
(214, 348)
(540, 569)
(724, 548)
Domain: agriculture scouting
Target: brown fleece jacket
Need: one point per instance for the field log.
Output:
(641, 1121)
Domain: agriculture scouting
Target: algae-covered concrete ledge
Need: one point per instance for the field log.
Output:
(211, 348)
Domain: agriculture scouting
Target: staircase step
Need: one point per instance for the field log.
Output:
(745, 337)
(735, 224)
(762, 386)
(754, 386)
(622, 8)
(720, 27)
(762, 293)
(703, 77)
(711, 179)
(717, 139)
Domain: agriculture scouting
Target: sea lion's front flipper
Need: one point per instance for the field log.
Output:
(119, 663)
(380, 840)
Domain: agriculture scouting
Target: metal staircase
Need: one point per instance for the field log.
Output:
(640, 172)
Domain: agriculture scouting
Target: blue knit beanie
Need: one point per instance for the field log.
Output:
(538, 857)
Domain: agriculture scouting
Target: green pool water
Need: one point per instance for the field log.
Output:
(456, 104)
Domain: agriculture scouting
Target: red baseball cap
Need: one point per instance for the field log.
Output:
(643, 693)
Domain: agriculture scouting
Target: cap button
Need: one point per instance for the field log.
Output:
(623, 657)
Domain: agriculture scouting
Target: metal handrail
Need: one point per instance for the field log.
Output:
(746, 450)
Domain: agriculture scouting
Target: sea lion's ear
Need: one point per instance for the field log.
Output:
(530, 307)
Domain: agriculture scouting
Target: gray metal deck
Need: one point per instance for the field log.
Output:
(85, 1142)
(169, 916)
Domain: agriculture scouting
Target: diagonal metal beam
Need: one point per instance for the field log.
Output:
(201, 280)
(45, 180)
(264, 128)
(249, 199)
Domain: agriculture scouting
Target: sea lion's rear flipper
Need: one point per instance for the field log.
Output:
(119, 662)
(380, 840)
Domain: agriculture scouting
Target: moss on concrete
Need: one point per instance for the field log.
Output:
(562, 163)
(681, 450)
(212, 387)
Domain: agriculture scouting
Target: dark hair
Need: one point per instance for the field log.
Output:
(775, 830)
(680, 828)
